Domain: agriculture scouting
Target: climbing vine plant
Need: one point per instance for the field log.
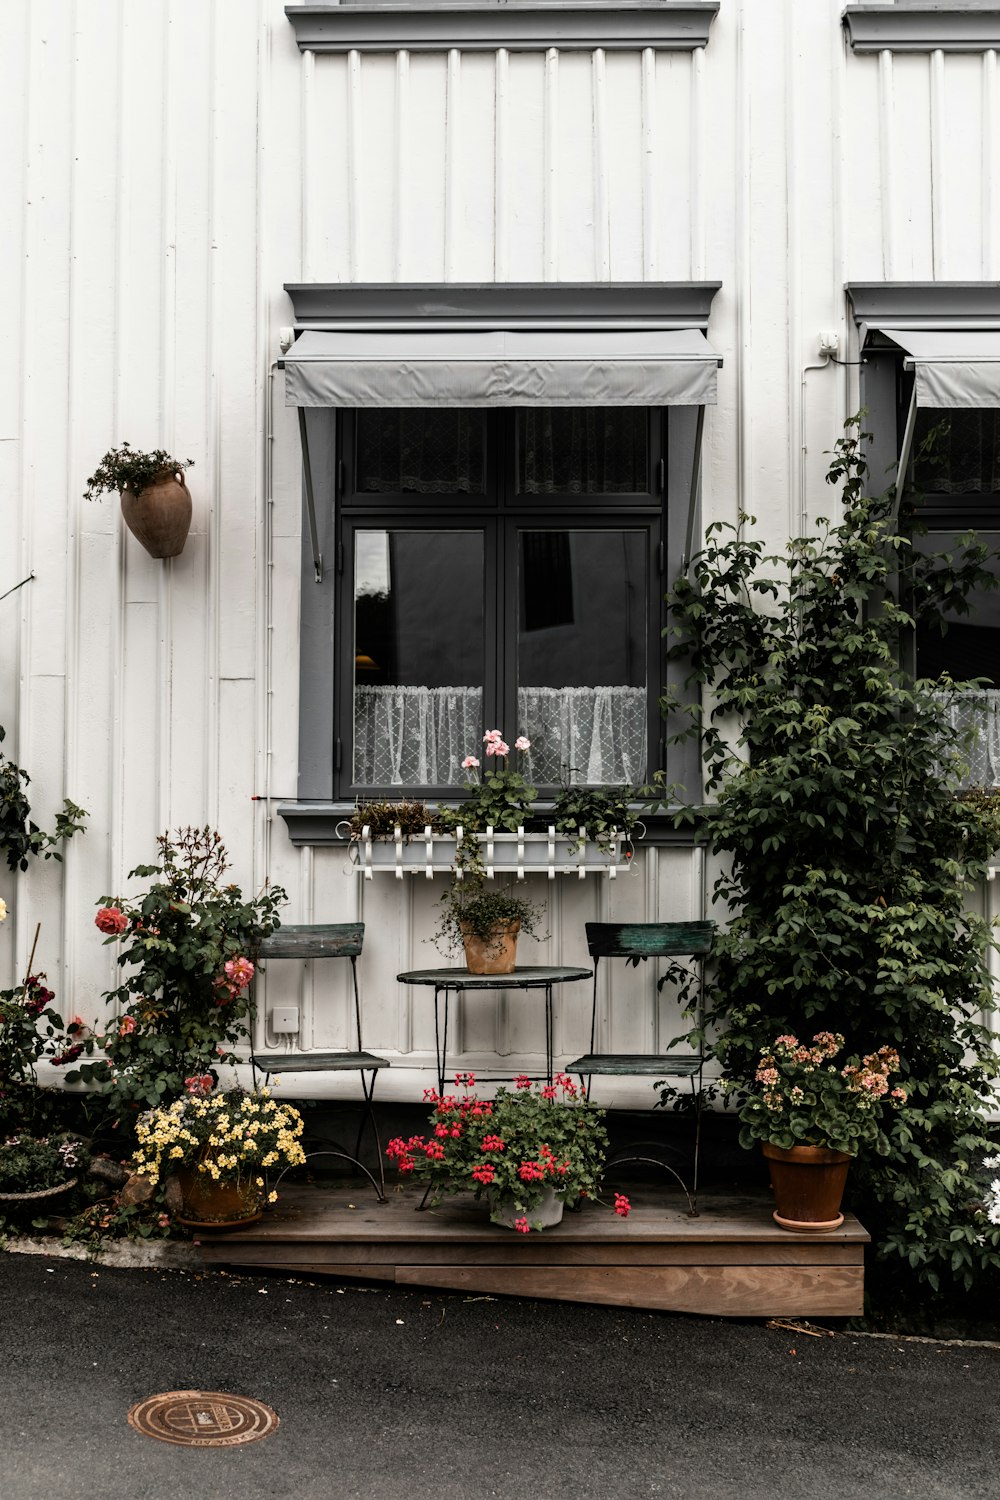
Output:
(20, 838)
(847, 849)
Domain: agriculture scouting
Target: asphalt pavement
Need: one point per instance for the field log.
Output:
(394, 1395)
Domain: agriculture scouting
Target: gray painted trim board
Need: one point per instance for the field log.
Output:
(486, 27)
(922, 28)
(925, 304)
(527, 304)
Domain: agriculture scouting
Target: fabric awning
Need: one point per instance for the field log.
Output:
(952, 367)
(498, 367)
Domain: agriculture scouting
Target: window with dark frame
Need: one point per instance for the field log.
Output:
(501, 569)
(953, 488)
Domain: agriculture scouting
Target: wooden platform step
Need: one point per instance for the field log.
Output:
(730, 1261)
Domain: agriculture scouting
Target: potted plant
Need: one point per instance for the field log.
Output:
(35, 1168)
(811, 1118)
(531, 1150)
(155, 501)
(486, 923)
(189, 943)
(218, 1148)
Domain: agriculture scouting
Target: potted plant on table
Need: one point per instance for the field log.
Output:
(155, 501)
(811, 1118)
(531, 1151)
(485, 923)
(218, 1148)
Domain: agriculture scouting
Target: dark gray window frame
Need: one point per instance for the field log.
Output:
(312, 817)
(486, 27)
(902, 305)
(922, 28)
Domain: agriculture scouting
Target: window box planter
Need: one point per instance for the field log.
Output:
(519, 853)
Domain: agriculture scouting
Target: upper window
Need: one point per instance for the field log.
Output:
(501, 570)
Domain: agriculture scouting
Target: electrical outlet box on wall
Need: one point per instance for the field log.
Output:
(285, 1018)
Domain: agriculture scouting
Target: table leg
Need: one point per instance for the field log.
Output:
(441, 1033)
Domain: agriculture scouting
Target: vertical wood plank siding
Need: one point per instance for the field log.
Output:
(168, 166)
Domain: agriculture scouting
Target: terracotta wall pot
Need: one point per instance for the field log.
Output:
(497, 954)
(206, 1203)
(160, 515)
(808, 1183)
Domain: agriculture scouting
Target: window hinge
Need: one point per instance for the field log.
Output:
(336, 755)
(340, 557)
(661, 476)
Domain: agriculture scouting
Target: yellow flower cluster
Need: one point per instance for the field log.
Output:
(225, 1135)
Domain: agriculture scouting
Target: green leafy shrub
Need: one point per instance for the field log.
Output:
(470, 906)
(20, 838)
(847, 855)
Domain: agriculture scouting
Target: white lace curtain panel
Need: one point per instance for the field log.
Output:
(418, 736)
(977, 714)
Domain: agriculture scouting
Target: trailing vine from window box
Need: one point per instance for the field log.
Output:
(849, 850)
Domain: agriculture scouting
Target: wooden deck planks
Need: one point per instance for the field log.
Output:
(730, 1261)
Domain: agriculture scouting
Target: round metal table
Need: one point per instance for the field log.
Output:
(445, 982)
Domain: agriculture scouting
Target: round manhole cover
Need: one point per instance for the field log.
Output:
(202, 1419)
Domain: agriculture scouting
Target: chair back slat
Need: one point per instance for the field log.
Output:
(315, 940)
(648, 939)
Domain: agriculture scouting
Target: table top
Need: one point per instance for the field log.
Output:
(538, 977)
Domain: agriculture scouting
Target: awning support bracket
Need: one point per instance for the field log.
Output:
(310, 498)
(904, 454)
(699, 433)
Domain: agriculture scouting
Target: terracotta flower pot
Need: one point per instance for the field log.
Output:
(207, 1204)
(160, 515)
(808, 1183)
(496, 954)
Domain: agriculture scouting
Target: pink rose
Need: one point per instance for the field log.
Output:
(239, 972)
(200, 1084)
(111, 920)
(521, 743)
(127, 1026)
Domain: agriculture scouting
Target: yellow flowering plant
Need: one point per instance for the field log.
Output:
(230, 1137)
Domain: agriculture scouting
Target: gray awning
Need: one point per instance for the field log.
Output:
(953, 367)
(498, 367)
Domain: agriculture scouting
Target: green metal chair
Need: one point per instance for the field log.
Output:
(314, 941)
(635, 942)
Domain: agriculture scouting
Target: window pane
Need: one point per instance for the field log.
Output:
(595, 450)
(421, 452)
(418, 656)
(965, 458)
(582, 689)
(970, 647)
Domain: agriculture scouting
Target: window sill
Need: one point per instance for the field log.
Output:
(485, 27)
(320, 824)
(921, 28)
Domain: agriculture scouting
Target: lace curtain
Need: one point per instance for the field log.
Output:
(977, 712)
(418, 736)
(593, 735)
(421, 452)
(582, 450)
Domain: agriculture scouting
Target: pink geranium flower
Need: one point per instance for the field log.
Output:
(469, 763)
(521, 743)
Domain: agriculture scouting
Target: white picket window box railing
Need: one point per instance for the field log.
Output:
(520, 854)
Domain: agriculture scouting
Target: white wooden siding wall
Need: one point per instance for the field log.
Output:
(168, 166)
